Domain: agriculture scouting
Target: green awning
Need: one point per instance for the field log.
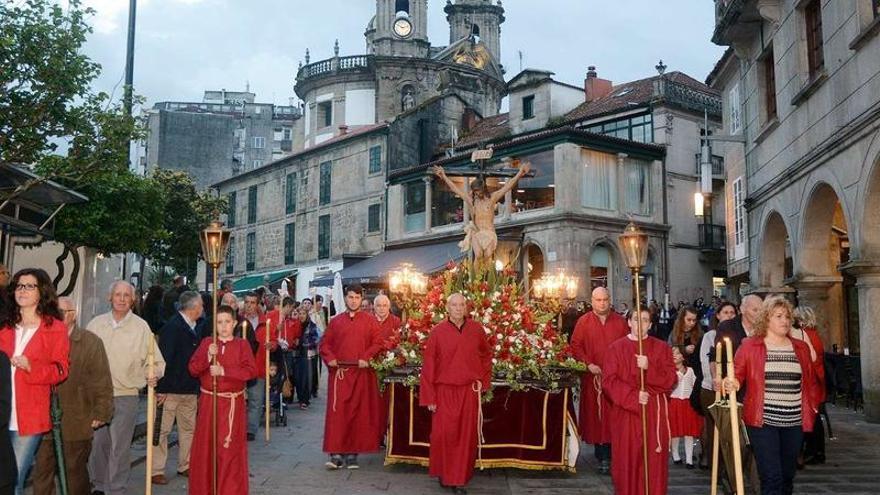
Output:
(251, 282)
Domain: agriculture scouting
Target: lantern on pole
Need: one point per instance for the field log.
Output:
(634, 245)
(215, 240)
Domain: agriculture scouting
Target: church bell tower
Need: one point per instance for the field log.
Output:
(479, 18)
(400, 28)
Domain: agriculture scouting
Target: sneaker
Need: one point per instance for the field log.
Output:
(334, 463)
(351, 462)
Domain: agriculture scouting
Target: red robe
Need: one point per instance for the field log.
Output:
(260, 356)
(388, 330)
(589, 343)
(620, 383)
(456, 366)
(352, 422)
(232, 459)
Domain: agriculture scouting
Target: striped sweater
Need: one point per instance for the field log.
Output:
(782, 388)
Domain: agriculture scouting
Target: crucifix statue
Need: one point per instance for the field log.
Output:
(480, 234)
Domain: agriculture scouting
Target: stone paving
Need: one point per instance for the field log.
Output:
(292, 463)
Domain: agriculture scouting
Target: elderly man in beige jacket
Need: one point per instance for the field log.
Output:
(128, 340)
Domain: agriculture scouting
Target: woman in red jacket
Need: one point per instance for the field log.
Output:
(35, 338)
(777, 373)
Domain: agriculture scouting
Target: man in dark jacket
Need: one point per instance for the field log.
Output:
(7, 455)
(177, 392)
(86, 400)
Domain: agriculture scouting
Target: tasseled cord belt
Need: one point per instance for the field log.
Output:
(338, 377)
(668, 428)
(477, 387)
(597, 385)
(231, 396)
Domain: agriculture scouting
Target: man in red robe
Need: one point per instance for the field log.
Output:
(456, 369)
(235, 366)
(389, 328)
(352, 422)
(620, 382)
(594, 332)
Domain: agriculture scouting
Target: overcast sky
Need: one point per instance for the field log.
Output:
(184, 47)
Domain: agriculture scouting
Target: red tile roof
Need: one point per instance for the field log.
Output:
(632, 94)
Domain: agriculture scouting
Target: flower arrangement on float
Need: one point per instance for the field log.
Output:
(528, 350)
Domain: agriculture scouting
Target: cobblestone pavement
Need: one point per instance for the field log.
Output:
(292, 463)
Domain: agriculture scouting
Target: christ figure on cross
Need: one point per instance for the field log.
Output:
(480, 234)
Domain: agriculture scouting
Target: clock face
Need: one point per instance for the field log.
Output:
(402, 28)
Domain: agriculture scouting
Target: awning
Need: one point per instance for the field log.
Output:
(251, 282)
(427, 259)
(31, 210)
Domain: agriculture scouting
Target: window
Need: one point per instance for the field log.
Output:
(252, 204)
(325, 113)
(539, 191)
(230, 256)
(289, 243)
(446, 207)
(259, 142)
(637, 187)
(375, 159)
(770, 85)
(401, 6)
(639, 128)
(815, 53)
(600, 184)
(323, 237)
(739, 219)
(251, 252)
(528, 107)
(324, 187)
(373, 214)
(414, 206)
(734, 110)
(230, 214)
(286, 134)
(290, 193)
(256, 164)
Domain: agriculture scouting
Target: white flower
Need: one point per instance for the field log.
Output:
(498, 348)
(499, 336)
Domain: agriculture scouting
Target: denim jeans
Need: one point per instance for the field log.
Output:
(776, 450)
(25, 448)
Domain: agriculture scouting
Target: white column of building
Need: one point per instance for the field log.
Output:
(429, 201)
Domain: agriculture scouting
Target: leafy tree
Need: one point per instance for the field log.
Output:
(186, 213)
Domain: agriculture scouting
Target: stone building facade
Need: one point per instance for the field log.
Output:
(801, 84)
(223, 135)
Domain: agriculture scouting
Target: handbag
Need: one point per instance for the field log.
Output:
(286, 385)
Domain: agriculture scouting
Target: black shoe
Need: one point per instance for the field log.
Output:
(97, 492)
(251, 437)
(676, 461)
(689, 466)
(334, 463)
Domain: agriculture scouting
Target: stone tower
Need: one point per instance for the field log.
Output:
(399, 29)
(480, 18)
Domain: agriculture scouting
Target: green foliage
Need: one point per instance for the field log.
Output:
(186, 213)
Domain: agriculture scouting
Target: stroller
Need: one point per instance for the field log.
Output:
(276, 382)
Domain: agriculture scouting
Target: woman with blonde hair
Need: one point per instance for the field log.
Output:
(805, 329)
(777, 373)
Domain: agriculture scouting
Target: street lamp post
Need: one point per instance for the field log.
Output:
(214, 239)
(634, 245)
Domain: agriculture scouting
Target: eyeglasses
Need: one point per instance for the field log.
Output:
(26, 287)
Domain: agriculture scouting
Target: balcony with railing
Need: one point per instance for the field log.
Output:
(712, 237)
(688, 97)
(717, 166)
(740, 18)
(353, 63)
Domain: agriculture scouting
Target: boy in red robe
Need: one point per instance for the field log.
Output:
(352, 422)
(594, 332)
(456, 369)
(389, 328)
(620, 381)
(235, 366)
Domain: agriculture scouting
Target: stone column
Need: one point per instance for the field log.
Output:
(867, 275)
(429, 201)
(825, 296)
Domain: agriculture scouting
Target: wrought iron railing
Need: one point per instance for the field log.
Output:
(712, 237)
(690, 98)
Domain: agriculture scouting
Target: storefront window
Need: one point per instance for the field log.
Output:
(414, 206)
(536, 192)
(447, 208)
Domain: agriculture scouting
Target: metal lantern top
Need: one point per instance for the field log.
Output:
(634, 244)
(407, 279)
(214, 239)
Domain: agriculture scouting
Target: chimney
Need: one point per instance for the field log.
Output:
(594, 86)
(468, 120)
(343, 130)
